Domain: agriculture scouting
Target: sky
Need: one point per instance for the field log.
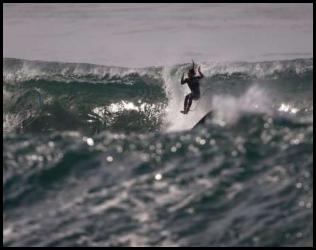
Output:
(140, 35)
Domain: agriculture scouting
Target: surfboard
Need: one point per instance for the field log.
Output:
(209, 115)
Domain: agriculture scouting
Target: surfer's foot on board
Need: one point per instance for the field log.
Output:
(184, 112)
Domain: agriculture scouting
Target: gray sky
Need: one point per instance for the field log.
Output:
(140, 35)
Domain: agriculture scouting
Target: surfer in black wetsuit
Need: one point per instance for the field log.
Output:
(194, 85)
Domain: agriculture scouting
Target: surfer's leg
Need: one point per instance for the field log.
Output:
(186, 102)
(189, 103)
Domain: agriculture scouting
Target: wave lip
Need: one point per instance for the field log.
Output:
(21, 69)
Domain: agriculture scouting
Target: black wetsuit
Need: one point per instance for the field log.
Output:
(194, 86)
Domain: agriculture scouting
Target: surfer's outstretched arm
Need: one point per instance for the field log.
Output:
(183, 81)
(199, 69)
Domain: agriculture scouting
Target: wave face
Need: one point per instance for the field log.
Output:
(57, 96)
(101, 156)
(44, 96)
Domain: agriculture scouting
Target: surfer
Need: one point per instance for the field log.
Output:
(194, 85)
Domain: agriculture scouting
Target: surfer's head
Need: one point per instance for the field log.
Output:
(191, 73)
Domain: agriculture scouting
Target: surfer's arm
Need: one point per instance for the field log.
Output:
(183, 81)
(201, 75)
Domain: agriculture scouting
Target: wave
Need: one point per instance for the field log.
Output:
(18, 70)
(21, 69)
(43, 96)
(247, 168)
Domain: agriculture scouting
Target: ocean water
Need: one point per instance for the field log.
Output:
(101, 156)
(97, 153)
